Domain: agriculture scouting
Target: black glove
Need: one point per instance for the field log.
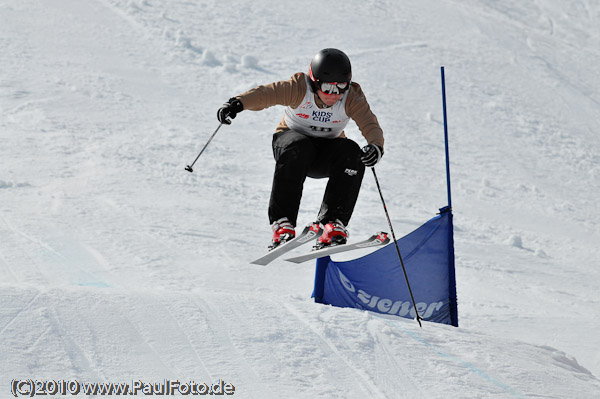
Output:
(229, 110)
(372, 153)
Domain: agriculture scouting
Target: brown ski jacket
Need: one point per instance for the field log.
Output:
(291, 93)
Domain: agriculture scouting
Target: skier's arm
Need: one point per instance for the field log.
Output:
(359, 110)
(286, 92)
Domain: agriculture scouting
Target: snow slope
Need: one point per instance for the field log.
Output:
(117, 265)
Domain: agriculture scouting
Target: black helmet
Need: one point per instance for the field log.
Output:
(330, 65)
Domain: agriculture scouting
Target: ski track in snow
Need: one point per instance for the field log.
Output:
(116, 264)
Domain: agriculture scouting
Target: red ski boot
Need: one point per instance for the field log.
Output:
(283, 231)
(334, 233)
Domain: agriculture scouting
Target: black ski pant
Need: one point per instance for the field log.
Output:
(298, 156)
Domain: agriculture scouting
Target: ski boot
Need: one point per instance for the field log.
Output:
(334, 233)
(283, 231)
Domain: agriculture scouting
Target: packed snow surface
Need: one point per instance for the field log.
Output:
(117, 265)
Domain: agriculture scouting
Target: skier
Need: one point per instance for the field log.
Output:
(310, 142)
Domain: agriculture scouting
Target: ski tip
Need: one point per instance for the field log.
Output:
(258, 262)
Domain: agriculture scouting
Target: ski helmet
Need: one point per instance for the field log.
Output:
(330, 65)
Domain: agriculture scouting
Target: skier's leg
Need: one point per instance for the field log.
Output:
(345, 172)
(293, 153)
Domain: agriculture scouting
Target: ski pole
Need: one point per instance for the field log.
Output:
(189, 167)
(397, 248)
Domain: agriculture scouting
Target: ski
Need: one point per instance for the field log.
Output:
(380, 238)
(309, 233)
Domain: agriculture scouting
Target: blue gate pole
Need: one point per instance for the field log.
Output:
(446, 139)
(452, 275)
(320, 273)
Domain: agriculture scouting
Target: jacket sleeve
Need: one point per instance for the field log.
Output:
(286, 92)
(359, 110)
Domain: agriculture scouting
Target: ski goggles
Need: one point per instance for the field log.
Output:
(333, 87)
